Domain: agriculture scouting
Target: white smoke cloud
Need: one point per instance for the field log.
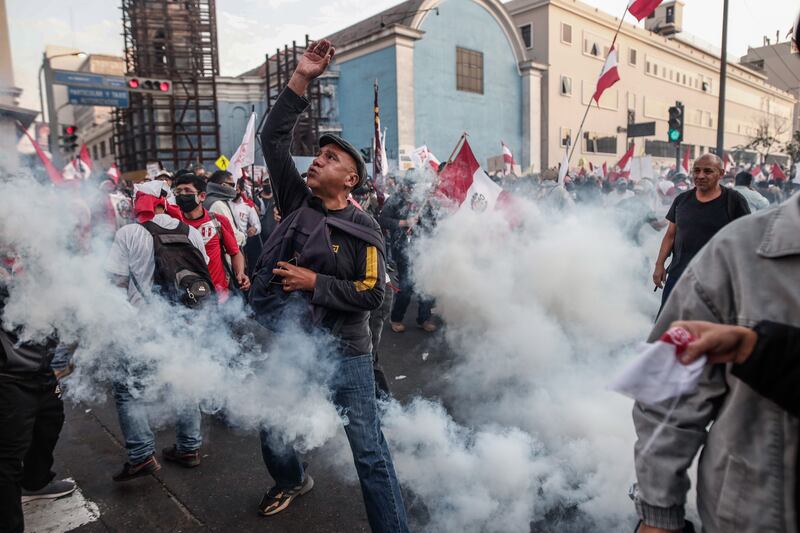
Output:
(174, 357)
(537, 318)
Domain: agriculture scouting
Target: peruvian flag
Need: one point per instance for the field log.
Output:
(756, 173)
(464, 182)
(641, 9)
(685, 162)
(245, 155)
(84, 156)
(625, 163)
(777, 172)
(605, 170)
(508, 158)
(608, 76)
(113, 173)
(456, 178)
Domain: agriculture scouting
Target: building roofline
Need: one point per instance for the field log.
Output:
(667, 44)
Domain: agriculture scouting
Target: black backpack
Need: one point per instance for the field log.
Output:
(181, 274)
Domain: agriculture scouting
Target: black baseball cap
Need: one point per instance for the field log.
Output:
(361, 167)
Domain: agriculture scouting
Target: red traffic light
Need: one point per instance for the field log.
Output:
(70, 130)
(133, 83)
(164, 86)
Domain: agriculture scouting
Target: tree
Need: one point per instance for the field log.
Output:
(771, 129)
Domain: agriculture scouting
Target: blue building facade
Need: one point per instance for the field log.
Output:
(412, 50)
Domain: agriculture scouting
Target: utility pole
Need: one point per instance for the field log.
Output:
(723, 75)
(52, 113)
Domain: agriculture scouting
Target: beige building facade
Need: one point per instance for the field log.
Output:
(573, 39)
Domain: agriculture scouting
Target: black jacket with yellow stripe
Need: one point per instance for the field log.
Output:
(350, 269)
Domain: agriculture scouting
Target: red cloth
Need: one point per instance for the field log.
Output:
(144, 206)
(84, 156)
(777, 172)
(641, 9)
(456, 178)
(609, 75)
(52, 171)
(205, 225)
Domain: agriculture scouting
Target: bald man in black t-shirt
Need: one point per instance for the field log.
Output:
(694, 217)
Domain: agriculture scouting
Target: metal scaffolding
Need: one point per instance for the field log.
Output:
(175, 40)
(278, 69)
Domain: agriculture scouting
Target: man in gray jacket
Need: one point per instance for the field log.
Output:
(748, 272)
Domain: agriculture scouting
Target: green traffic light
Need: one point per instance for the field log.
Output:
(674, 135)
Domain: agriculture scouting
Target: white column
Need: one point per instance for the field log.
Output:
(531, 116)
(404, 49)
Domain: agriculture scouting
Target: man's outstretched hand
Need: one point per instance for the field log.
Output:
(312, 64)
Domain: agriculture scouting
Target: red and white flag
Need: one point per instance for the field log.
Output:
(608, 76)
(641, 9)
(422, 157)
(777, 172)
(756, 173)
(625, 163)
(113, 173)
(727, 163)
(456, 178)
(84, 156)
(605, 170)
(685, 162)
(508, 159)
(76, 170)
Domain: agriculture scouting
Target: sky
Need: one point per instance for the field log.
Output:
(247, 29)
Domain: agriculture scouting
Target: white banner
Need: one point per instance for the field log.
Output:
(246, 153)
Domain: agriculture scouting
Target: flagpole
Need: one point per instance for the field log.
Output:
(589, 105)
(458, 145)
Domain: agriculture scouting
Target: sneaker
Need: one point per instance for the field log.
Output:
(428, 326)
(397, 327)
(51, 491)
(146, 467)
(277, 499)
(185, 459)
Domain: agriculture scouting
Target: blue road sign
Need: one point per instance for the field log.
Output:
(103, 97)
(87, 79)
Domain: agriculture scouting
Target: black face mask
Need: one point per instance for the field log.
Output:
(186, 202)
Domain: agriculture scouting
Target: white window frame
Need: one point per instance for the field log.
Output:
(561, 33)
(561, 85)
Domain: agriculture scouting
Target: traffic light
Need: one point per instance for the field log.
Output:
(675, 132)
(149, 85)
(69, 138)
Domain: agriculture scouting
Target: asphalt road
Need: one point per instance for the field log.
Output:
(223, 492)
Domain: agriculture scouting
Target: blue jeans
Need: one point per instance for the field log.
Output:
(354, 392)
(139, 439)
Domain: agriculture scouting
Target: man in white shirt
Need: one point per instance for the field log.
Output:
(131, 262)
(743, 184)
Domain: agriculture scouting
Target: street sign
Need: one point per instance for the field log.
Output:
(87, 79)
(222, 162)
(642, 129)
(104, 97)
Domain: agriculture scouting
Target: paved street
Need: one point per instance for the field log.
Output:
(223, 492)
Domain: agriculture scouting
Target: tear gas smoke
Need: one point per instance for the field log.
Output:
(172, 357)
(538, 318)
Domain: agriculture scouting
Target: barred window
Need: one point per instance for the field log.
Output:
(527, 35)
(469, 70)
(598, 143)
